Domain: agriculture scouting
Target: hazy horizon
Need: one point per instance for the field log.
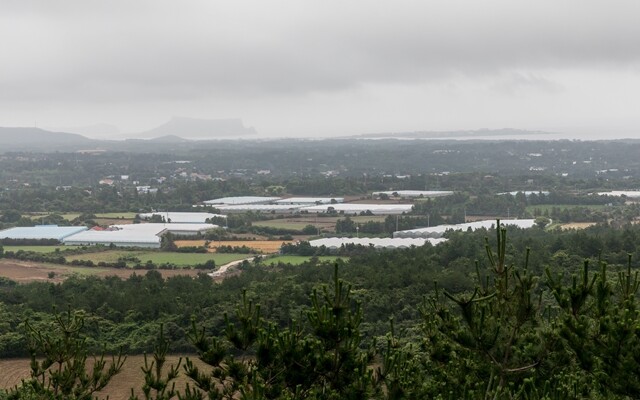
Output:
(323, 68)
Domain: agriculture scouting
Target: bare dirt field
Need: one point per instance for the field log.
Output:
(22, 271)
(14, 370)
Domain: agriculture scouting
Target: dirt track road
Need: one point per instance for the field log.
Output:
(224, 269)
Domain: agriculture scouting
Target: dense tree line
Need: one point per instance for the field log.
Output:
(513, 324)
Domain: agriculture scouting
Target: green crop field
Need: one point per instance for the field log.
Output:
(38, 249)
(67, 216)
(296, 260)
(157, 257)
(118, 215)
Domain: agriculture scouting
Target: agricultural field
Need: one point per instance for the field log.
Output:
(296, 260)
(263, 246)
(67, 216)
(130, 377)
(38, 249)
(157, 257)
(27, 271)
(324, 223)
(119, 216)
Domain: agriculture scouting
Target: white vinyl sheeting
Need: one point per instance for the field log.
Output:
(353, 208)
(632, 194)
(241, 200)
(415, 193)
(438, 230)
(379, 243)
(138, 235)
(183, 217)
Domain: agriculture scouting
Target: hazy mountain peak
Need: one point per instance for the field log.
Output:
(195, 128)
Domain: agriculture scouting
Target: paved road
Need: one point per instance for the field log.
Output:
(226, 267)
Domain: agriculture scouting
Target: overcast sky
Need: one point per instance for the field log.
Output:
(324, 68)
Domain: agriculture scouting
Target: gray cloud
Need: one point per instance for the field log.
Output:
(96, 52)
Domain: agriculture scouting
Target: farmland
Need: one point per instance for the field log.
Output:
(130, 377)
(38, 249)
(262, 246)
(156, 257)
(323, 223)
(22, 271)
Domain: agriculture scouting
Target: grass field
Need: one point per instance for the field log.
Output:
(73, 215)
(264, 246)
(67, 216)
(296, 260)
(157, 257)
(118, 215)
(38, 249)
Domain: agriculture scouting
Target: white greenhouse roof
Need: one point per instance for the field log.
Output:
(351, 208)
(439, 230)
(378, 243)
(527, 193)
(241, 200)
(618, 193)
(309, 200)
(135, 234)
(54, 232)
(415, 193)
(183, 217)
(259, 207)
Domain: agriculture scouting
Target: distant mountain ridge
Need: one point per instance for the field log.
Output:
(37, 136)
(199, 129)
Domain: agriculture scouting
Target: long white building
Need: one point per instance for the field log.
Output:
(439, 230)
(241, 200)
(354, 208)
(414, 193)
(631, 194)
(335, 243)
(135, 235)
(41, 232)
(310, 201)
(182, 217)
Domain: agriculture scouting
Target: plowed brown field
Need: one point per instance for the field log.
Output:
(12, 371)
